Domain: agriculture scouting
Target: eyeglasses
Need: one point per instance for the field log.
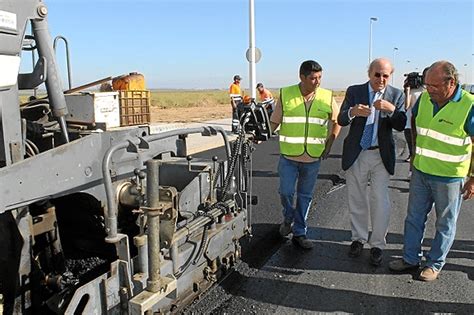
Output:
(378, 75)
(437, 86)
(433, 86)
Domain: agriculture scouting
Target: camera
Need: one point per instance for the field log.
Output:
(413, 80)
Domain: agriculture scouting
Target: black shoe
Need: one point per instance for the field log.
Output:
(401, 265)
(376, 255)
(285, 229)
(302, 241)
(356, 249)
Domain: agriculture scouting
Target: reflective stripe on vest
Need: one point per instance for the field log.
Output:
(304, 130)
(311, 120)
(442, 156)
(301, 140)
(443, 148)
(442, 137)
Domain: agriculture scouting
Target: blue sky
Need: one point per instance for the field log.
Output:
(200, 44)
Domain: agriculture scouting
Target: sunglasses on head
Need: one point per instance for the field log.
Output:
(378, 75)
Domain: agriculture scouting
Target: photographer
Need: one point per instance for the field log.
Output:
(413, 86)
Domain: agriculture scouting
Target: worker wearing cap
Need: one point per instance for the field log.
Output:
(263, 93)
(266, 98)
(236, 102)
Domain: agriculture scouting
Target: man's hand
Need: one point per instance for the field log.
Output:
(384, 106)
(325, 153)
(468, 189)
(360, 110)
(327, 147)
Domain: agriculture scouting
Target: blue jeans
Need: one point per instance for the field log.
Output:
(302, 176)
(425, 191)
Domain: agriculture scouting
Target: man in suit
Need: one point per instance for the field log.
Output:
(373, 110)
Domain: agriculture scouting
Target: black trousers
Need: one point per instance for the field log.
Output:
(236, 113)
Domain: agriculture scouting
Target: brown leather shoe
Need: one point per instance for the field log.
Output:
(428, 274)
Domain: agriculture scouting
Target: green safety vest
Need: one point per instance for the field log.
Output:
(304, 130)
(443, 148)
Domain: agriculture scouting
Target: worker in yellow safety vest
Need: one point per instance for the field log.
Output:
(307, 116)
(443, 168)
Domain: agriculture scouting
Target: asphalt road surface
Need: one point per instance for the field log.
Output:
(274, 277)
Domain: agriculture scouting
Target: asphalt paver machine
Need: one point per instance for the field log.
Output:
(97, 220)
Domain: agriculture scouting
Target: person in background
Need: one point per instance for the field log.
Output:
(263, 93)
(266, 98)
(307, 116)
(235, 94)
(372, 110)
(413, 87)
(443, 125)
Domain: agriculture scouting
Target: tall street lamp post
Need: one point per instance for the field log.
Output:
(465, 73)
(372, 19)
(251, 52)
(394, 50)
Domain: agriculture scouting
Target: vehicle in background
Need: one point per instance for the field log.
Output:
(469, 88)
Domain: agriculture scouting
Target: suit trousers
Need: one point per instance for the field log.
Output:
(369, 204)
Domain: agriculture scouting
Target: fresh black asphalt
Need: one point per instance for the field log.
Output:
(274, 277)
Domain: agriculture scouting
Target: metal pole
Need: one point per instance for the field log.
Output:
(465, 73)
(394, 50)
(53, 82)
(68, 62)
(252, 67)
(33, 59)
(370, 41)
(140, 242)
(372, 19)
(153, 221)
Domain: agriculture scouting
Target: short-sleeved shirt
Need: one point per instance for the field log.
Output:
(277, 117)
(265, 95)
(235, 89)
(468, 127)
(414, 95)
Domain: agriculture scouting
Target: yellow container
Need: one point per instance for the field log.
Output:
(131, 82)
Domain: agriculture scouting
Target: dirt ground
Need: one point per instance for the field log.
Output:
(191, 114)
(197, 114)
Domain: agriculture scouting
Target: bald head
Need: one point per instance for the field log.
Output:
(380, 71)
(441, 81)
(445, 69)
